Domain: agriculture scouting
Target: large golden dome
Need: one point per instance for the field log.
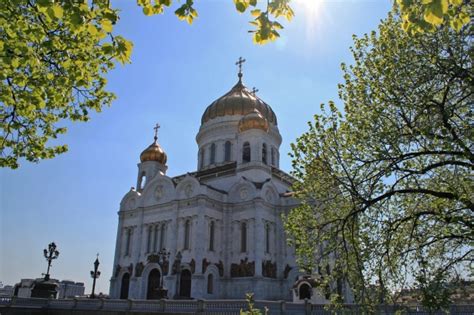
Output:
(253, 120)
(154, 153)
(238, 101)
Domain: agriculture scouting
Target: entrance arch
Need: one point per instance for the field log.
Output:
(185, 284)
(305, 291)
(124, 286)
(152, 292)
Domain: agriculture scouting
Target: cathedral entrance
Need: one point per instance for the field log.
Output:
(153, 292)
(124, 286)
(185, 284)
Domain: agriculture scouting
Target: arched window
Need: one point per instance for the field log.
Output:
(150, 235)
(210, 283)
(187, 228)
(227, 149)
(213, 153)
(246, 153)
(155, 238)
(125, 286)
(273, 156)
(128, 241)
(267, 238)
(264, 153)
(243, 237)
(201, 158)
(142, 181)
(305, 291)
(163, 236)
(211, 235)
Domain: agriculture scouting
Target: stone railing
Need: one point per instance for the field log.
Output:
(222, 307)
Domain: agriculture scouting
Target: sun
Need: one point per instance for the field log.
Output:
(311, 8)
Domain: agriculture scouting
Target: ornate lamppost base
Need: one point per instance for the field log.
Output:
(44, 289)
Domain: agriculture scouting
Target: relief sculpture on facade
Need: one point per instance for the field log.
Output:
(244, 269)
(139, 269)
(269, 269)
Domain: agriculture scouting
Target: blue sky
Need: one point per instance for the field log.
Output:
(177, 70)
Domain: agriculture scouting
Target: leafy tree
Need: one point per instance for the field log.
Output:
(386, 185)
(53, 59)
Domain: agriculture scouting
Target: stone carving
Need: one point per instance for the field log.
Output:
(139, 269)
(269, 269)
(220, 266)
(188, 190)
(154, 258)
(159, 192)
(130, 269)
(176, 266)
(193, 266)
(244, 269)
(244, 193)
(117, 270)
(205, 264)
(286, 271)
(269, 196)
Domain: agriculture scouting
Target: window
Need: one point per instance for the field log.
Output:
(227, 149)
(243, 237)
(267, 238)
(305, 291)
(273, 156)
(211, 235)
(201, 158)
(150, 235)
(213, 153)
(128, 240)
(210, 283)
(187, 227)
(246, 153)
(142, 181)
(162, 236)
(264, 153)
(155, 238)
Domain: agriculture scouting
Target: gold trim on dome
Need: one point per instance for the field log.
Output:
(154, 153)
(253, 120)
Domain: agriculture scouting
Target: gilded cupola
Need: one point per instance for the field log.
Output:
(253, 120)
(154, 152)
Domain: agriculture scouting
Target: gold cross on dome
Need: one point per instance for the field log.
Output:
(239, 63)
(157, 126)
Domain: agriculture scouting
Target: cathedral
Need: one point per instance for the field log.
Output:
(214, 233)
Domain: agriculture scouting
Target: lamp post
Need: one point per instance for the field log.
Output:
(95, 274)
(50, 254)
(163, 257)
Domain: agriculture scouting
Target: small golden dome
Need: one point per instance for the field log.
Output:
(253, 120)
(154, 153)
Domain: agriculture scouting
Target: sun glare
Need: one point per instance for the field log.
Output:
(311, 8)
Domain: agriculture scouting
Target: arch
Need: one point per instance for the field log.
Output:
(246, 154)
(227, 151)
(212, 232)
(142, 181)
(153, 286)
(185, 283)
(304, 291)
(187, 231)
(188, 187)
(212, 159)
(264, 153)
(210, 283)
(201, 157)
(124, 286)
(158, 190)
(243, 237)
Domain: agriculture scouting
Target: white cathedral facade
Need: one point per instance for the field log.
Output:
(222, 224)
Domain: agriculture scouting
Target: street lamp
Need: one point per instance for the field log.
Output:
(95, 274)
(163, 257)
(50, 254)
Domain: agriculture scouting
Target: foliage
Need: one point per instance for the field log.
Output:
(386, 186)
(251, 308)
(266, 26)
(53, 59)
(427, 15)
